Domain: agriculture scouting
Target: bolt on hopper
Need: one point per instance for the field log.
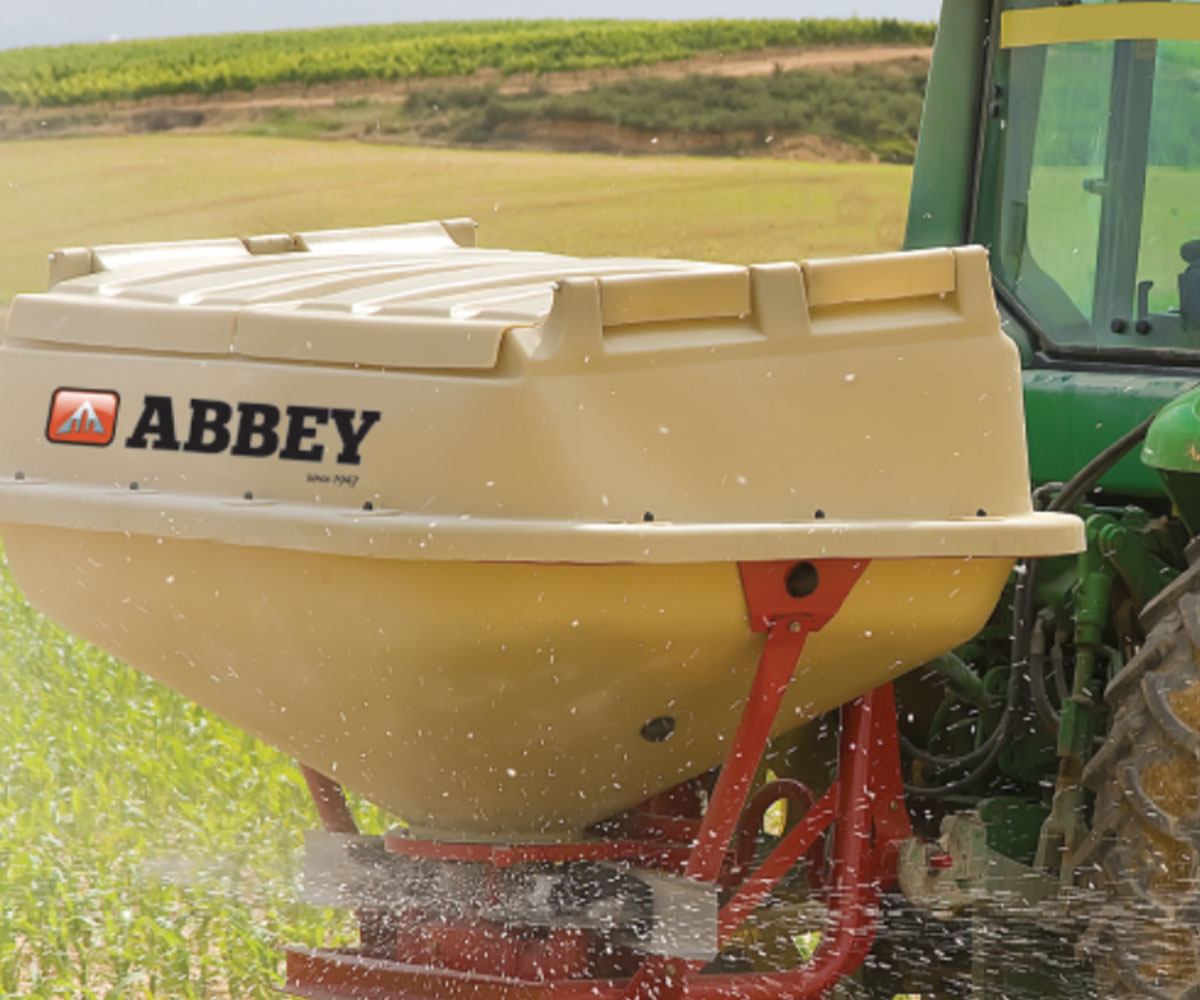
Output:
(523, 547)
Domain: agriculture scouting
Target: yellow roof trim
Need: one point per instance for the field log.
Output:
(1099, 23)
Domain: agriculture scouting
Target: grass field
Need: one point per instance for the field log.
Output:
(146, 848)
(84, 191)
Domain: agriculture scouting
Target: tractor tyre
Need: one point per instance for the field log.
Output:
(1143, 854)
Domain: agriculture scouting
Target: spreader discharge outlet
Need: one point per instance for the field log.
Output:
(537, 552)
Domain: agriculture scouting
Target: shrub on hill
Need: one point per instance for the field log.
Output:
(877, 107)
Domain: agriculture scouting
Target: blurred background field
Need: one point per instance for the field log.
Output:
(76, 192)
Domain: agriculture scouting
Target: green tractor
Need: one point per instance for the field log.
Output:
(1061, 763)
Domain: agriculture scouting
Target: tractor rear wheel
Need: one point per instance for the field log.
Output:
(1144, 850)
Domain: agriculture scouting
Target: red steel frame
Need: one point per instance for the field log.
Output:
(865, 805)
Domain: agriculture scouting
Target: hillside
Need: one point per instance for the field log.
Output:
(70, 75)
(834, 104)
(820, 89)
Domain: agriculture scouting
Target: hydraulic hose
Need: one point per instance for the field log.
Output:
(963, 760)
(984, 756)
(1087, 477)
(1024, 593)
(1047, 714)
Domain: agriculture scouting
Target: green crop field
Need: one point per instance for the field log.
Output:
(146, 848)
(80, 74)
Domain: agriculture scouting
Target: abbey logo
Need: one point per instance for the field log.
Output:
(252, 430)
(82, 416)
(212, 427)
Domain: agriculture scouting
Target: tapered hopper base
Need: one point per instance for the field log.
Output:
(480, 701)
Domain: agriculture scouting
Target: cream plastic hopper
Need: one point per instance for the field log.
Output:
(452, 524)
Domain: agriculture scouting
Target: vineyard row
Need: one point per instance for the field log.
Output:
(205, 65)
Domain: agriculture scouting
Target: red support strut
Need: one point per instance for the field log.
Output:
(787, 601)
(330, 800)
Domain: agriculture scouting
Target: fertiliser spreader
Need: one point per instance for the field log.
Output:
(537, 552)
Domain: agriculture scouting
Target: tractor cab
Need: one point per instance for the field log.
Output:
(1092, 164)
(1075, 159)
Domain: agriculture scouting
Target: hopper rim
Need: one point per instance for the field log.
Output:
(391, 534)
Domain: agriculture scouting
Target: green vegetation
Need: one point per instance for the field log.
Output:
(81, 74)
(146, 848)
(877, 107)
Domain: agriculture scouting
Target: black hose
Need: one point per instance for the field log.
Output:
(1060, 672)
(1094, 471)
(1023, 606)
(1047, 714)
(965, 760)
(990, 747)
(967, 780)
(1068, 497)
